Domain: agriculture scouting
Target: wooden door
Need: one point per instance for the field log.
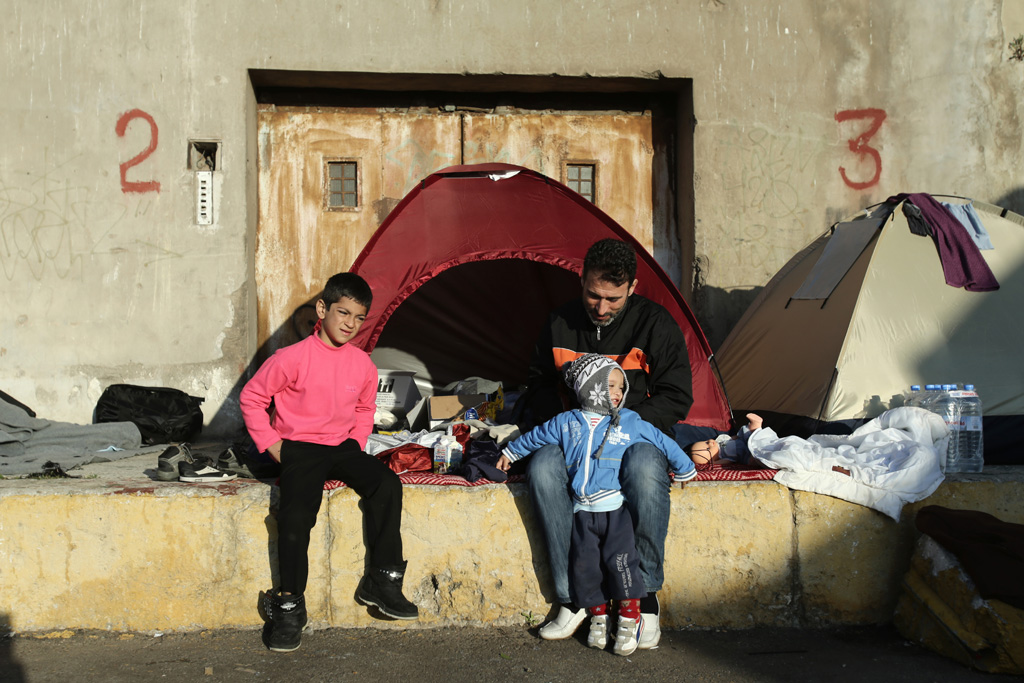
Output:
(305, 234)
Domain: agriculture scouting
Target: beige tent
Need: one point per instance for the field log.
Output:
(862, 313)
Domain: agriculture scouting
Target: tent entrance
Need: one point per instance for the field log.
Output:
(477, 319)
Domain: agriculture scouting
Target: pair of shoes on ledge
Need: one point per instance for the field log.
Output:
(178, 463)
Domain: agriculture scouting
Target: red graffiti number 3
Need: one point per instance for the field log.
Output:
(154, 133)
(859, 145)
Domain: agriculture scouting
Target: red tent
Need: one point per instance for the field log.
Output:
(467, 267)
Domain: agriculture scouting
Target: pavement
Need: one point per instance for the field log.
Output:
(453, 655)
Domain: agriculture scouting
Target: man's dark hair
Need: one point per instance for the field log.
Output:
(350, 285)
(614, 259)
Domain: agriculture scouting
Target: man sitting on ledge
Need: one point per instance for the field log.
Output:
(645, 340)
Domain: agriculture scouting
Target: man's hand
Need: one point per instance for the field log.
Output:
(503, 463)
(275, 450)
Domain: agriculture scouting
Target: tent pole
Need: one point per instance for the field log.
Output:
(824, 400)
(728, 404)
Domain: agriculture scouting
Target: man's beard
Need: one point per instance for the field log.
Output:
(610, 319)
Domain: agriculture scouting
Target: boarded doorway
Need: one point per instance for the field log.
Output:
(332, 166)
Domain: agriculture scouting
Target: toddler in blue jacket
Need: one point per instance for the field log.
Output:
(594, 438)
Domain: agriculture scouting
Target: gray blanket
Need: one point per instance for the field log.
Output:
(27, 443)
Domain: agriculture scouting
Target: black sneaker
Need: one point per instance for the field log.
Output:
(201, 471)
(382, 588)
(286, 616)
(167, 463)
(228, 461)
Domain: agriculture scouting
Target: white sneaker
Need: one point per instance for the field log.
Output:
(627, 635)
(651, 635)
(564, 625)
(652, 628)
(598, 636)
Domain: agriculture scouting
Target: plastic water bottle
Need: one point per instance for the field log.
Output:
(947, 406)
(927, 396)
(971, 448)
(914, 397)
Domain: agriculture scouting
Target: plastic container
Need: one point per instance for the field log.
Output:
(447, 455)
(971, 456)
(943, 403)
(913, 397)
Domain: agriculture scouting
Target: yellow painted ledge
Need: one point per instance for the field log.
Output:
(119, 551)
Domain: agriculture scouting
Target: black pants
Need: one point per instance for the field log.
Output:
(304, 469)
(603, 558)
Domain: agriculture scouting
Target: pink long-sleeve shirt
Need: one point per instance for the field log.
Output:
(322, 394)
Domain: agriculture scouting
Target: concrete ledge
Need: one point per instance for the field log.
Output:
(117, 550)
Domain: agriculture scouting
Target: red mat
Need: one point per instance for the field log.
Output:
(717, 472)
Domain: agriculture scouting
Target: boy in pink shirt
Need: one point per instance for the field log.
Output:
(324, 394)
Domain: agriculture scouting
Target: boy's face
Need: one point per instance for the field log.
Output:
(340, 321)
(616, 384)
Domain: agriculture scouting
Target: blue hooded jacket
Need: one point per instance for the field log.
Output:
(595, 483)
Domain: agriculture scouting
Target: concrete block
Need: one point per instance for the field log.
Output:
(132, 558)
(728, 556)
(850, 560)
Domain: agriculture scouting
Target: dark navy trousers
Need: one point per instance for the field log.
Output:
(603, 558)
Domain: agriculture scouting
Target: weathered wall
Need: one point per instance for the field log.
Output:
(107, 278)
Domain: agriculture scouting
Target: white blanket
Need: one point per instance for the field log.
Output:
(895, 459)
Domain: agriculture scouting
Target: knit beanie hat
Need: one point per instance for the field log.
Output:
(588, 377)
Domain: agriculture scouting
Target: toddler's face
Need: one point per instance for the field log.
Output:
(704, 452)
(616, 385)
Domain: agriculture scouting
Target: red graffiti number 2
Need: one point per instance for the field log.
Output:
(122, 127)
(859, 145)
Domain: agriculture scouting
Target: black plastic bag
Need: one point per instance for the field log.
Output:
(162, 415)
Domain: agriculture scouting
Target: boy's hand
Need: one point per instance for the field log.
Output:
(754, 421)
(275, 450)
(503, 463)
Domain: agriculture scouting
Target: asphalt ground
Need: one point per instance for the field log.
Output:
(452, 655)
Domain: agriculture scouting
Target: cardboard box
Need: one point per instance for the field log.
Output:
(444, 408)
(396, 391)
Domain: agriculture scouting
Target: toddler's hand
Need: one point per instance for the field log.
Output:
(503, 463)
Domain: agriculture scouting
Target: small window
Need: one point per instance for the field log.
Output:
(580, 177)
(342, 185)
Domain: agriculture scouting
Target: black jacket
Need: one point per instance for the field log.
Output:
(644, 339)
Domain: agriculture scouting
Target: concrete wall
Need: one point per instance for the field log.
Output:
(109, 280)
(125, 553)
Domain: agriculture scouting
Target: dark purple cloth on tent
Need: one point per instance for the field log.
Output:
(990, 550)
(962, 262)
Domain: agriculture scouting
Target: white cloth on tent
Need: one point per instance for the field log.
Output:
(502, 176)
(894, 459)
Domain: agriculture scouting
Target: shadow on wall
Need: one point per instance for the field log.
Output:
(227, 421)
(1012, 200)
(719, 309)
(10, 669)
